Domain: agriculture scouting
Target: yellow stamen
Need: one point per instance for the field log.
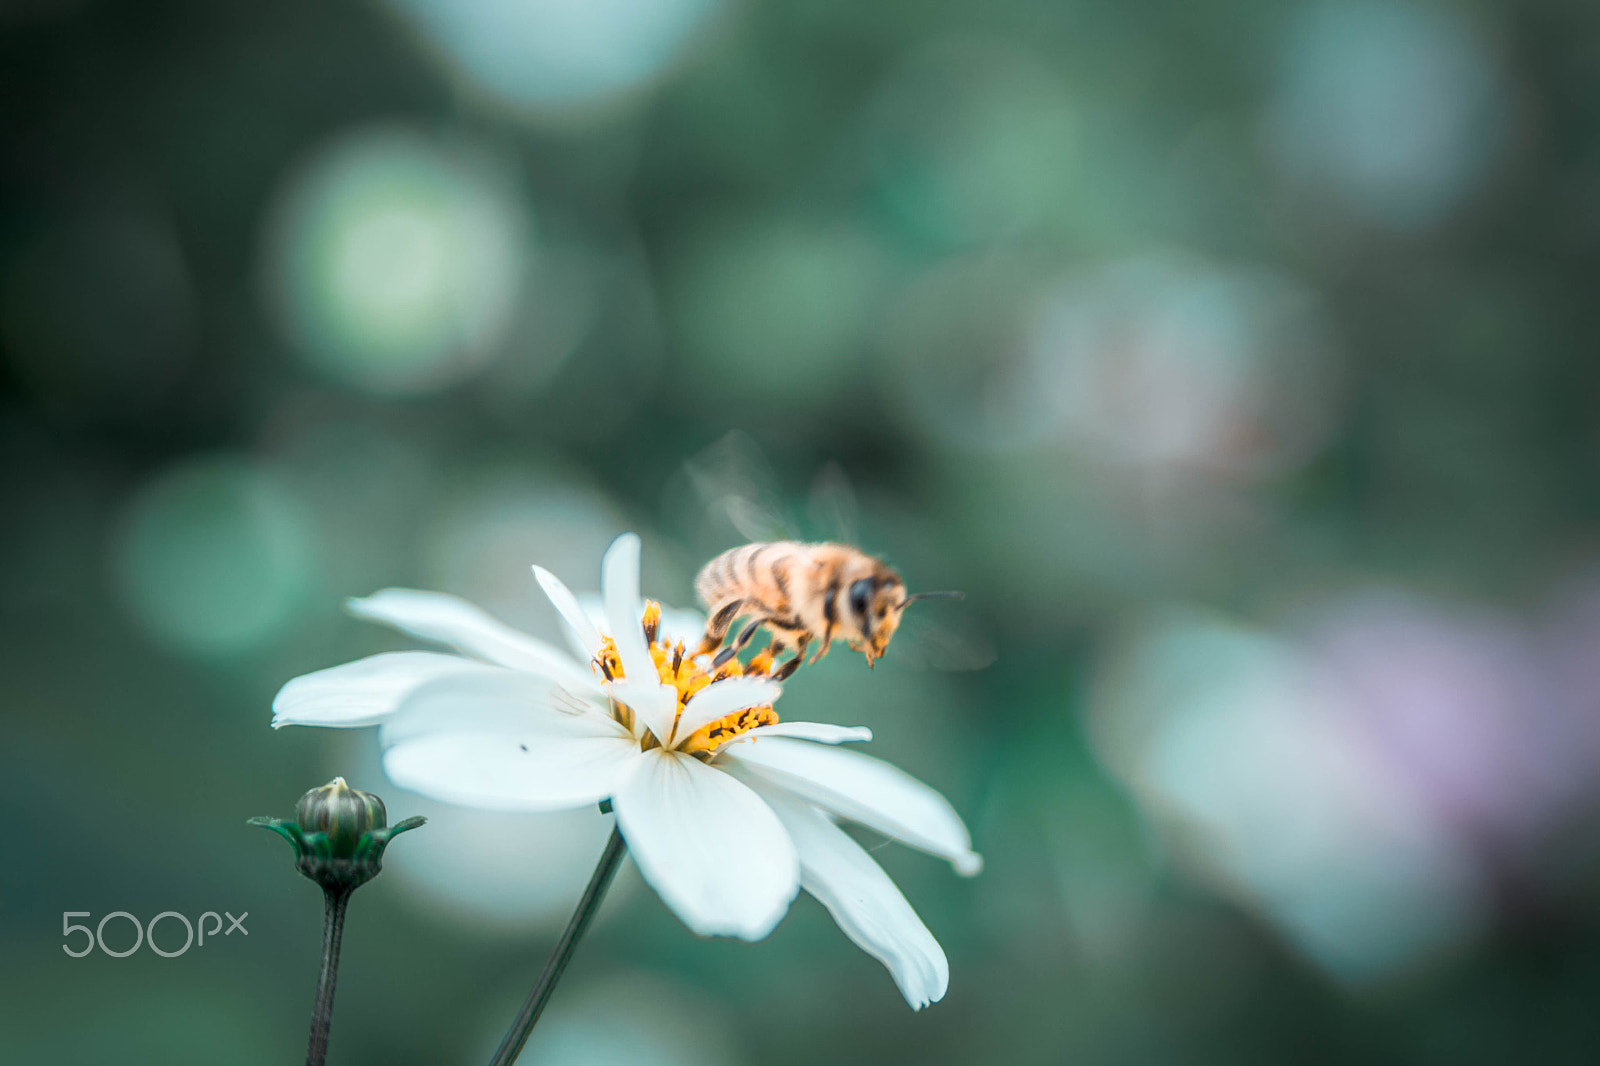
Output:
(708, 738)
(608, 662)
(677, 668)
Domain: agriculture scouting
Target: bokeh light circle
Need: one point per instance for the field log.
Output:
(969, 140)
(553, 55)
(663, 1025)
(1163, 361)
(1393, 110)
(1171, 361)
(1257, 764)
(498, 521)
(394, 260)
(213, 556)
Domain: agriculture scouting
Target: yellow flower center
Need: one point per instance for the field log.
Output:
(687, 676)
(708, 739)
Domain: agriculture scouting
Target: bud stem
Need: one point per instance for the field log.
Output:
(517, 1036)
(334, 901)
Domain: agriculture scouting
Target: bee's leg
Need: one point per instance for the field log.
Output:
(717, 626)
(783, 637)
(739, 643)
(761, 661)
(827, 641)
(788, 668)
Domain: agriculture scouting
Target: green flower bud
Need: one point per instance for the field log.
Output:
(342, 812)
(338, 835)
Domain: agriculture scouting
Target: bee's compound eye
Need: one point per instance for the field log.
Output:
(860, 597)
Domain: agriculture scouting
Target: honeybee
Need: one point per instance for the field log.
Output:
(802, 593)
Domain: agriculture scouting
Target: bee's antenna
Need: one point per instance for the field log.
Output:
(933, 596)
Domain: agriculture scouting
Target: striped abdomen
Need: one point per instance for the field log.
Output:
(758, 572)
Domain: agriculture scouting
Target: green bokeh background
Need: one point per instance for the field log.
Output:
(1114, 315)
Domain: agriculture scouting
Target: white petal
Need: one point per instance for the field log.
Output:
(863, 900)
(654, 705)
(714, 851)
(721, 698)
(865, 790)
(365, 691)
(449, 620)
(574, 615)
(619, 583)
(497, 700)
(820, 732)
(505, 741)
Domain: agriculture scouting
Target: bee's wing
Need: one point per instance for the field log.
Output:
(924, 642)
(736, 485)
(832, 507)
(734, 482)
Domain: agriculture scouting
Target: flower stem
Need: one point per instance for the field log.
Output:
(517, 1036)
(334, 901)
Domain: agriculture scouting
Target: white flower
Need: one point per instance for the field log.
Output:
(727, 811)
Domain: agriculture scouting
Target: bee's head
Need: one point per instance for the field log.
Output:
(873, 599)
(885, 604)
(867, 605)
